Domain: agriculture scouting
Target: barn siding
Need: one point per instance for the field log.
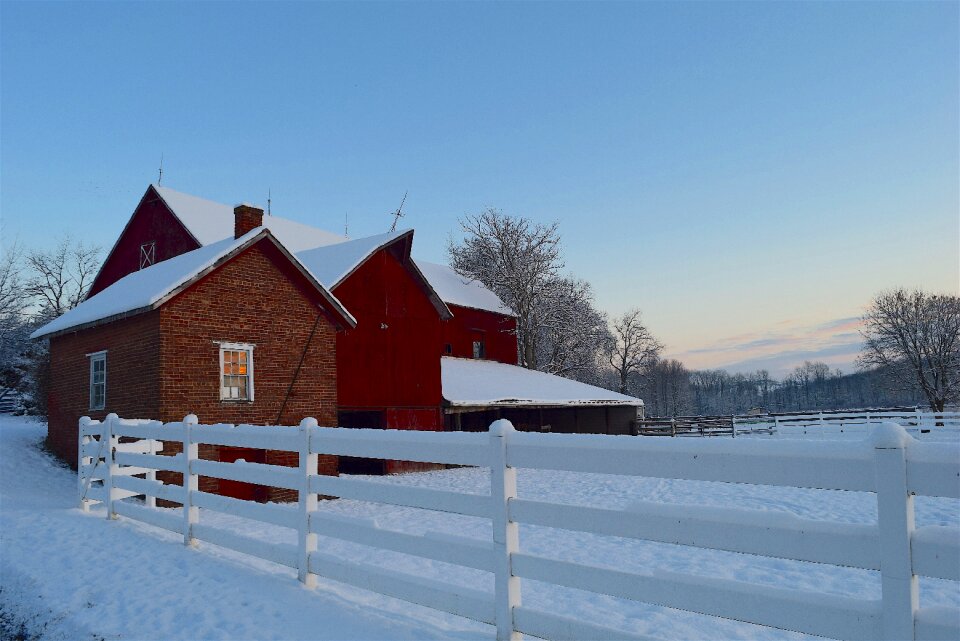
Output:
(151, 222)
(389, 361)
(497, 330)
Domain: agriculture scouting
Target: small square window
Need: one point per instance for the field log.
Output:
(98, 380)
(236, 372)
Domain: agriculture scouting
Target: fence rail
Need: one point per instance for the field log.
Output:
(789, 424)
(890, 464)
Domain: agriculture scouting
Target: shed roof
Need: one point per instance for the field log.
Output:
(149, 288)
(468, 382)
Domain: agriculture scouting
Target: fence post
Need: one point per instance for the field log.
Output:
(308, 503)
(506, 534)
(673, 427)
(82, 441)
(152, 474)
(820, 416)
(733, 425)
(109, 467)
(895, 520)
(191, 482)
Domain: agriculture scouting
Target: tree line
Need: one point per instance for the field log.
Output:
(911, 352)
(670, 389)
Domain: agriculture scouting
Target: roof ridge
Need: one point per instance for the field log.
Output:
(153, 286)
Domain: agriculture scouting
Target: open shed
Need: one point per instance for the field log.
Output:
(476, 393)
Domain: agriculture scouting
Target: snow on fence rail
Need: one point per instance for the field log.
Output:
(821, 424)
(890, 464)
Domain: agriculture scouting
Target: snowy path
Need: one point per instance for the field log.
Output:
(121, 580)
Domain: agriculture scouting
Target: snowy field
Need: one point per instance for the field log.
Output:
(70, 575)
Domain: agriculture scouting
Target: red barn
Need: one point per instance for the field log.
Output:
(400, 329)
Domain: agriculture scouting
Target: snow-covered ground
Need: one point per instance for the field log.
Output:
(69, 575)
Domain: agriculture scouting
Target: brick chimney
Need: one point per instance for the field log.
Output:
(245, 218)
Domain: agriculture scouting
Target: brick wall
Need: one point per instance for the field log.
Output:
(133, 347)
(252, 299)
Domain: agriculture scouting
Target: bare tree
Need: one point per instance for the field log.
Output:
(14, 328)
(56, 281)
(59, 279)
(520, 261)
(916, 336)
(632, 347)
(13, 300)
(571, 332)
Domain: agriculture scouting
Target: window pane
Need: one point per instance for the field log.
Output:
(236, 375)
(98, 377)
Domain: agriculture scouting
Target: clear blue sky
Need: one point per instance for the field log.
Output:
(747, 174)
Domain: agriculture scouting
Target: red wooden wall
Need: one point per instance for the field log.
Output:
(151, 222)
(389, 361)
(497, 331)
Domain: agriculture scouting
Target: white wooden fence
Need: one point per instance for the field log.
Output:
(890, 464)
(827, 424)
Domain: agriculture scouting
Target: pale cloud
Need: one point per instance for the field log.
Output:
(836, 342)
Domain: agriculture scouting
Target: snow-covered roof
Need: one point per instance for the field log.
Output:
(150, 287)
(458, 290)
(332, 263)
(469, 382)
(329, 256)
(210, 222)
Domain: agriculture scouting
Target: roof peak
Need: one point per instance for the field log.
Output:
(151, 287)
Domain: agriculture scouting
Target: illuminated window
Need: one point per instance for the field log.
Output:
(148, 254)
(236, 372)
(98, 380)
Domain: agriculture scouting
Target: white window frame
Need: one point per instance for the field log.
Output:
(148, 254)
(97, 357)
(237, 347)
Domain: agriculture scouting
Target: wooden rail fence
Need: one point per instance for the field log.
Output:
(812, 423)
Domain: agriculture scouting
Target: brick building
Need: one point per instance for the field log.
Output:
(235, 332)
(236, 317)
